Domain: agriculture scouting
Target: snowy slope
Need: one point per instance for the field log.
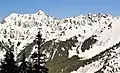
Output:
(109, 63)
(107, 38)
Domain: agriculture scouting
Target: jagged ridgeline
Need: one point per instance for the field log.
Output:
(79, 44)
(37, 63)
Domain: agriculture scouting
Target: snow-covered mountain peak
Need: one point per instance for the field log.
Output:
(52, 28)
(40, 12)
(38, 16)
(84, 36)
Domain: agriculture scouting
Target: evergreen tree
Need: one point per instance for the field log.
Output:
(9, 65)
(39, 64)
(24, 67)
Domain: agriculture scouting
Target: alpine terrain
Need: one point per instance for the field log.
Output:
(80, 44)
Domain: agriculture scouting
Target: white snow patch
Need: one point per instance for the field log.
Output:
(72, 52)
(63, 49)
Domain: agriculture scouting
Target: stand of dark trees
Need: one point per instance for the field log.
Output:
(37, 65)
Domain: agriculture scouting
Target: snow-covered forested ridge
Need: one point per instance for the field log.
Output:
(84, 36)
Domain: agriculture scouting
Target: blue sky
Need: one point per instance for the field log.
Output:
(60, 8)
